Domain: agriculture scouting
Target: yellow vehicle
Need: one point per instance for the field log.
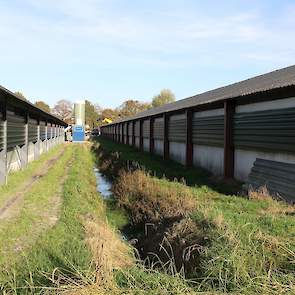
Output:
(107, 121)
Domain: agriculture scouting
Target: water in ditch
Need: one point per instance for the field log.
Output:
(103, 185)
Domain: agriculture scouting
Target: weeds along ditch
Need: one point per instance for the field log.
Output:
(159, 224)
(218, 242)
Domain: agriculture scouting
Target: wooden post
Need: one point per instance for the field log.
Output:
(166, 140)
(127, 133)
(116, 132)
(152, 141)
(140, 135)
(25, 156)
(3, 152)
(189, 138)
(229, 110)
(133, 133)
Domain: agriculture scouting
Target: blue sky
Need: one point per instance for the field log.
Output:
(110, 50)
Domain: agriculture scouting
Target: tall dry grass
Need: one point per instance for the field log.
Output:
(149, 201)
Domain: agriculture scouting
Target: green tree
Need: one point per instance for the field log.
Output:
(131, 107)
(43, 106)
(20, 96)
(165, 96)
(91, 114)
(108, 113)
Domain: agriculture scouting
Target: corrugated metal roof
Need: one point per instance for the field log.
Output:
(27, 105)
(277, 79)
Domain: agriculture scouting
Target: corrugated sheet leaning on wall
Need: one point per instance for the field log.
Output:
(224, 130)
(25, 133)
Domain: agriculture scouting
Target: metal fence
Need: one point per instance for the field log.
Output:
(25, 133)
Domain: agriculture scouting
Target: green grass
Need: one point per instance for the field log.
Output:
(16, 179)
(252, 242)
(62, 246)
(117, 217)
(251, 247)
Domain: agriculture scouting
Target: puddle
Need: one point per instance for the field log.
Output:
(103, 185)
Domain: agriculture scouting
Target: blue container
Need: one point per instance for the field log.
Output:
(78, 133)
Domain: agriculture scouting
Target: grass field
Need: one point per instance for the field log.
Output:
(62, 238)
(252, 246)
(43, 248)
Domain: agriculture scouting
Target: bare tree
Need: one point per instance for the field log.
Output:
(64, 110)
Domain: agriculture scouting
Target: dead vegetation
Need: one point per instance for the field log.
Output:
(149, 201)
(275, 207)
(109, 252)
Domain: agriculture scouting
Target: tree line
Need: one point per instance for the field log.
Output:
(95, 115)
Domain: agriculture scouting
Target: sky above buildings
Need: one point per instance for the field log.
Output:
(108, 51)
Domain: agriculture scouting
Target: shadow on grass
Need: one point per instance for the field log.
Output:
(156, 165)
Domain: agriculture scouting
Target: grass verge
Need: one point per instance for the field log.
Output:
(251, 242)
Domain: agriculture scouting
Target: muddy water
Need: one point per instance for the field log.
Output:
(103, 185)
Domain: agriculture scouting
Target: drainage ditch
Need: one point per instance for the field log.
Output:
(175, 243)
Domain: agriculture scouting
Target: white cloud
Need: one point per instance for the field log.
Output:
(62, 30)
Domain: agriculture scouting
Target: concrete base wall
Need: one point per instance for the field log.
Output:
(42, 147)
(146, 144)
(244, 161)
(31, 152)
(177, 151)
(209, 157)
(37, 150)
(14, 159)
(2, 167)
(19, 157)
(159, 147)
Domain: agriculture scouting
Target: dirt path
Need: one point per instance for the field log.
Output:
(13, 204)
(48, 217)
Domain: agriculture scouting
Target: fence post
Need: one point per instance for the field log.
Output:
(229, 110)
(3, 152)
(166, 140)
(152, 142)
(25, 153)
(133, 133)
(140, 135)
(127, 133)
(189, 138)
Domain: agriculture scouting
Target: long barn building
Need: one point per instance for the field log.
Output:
(244, 131)
(25, 132)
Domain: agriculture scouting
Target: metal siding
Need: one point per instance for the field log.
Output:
(125, 128)
(49, 131)
(137, 127)
(130, 128)
(15, 130)
(1, 132)
(32, 130)
(146, 129)
(208, 130)
(159, 129)
(42, 131)
(177, 130)
(265, 130)
(277, 177)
